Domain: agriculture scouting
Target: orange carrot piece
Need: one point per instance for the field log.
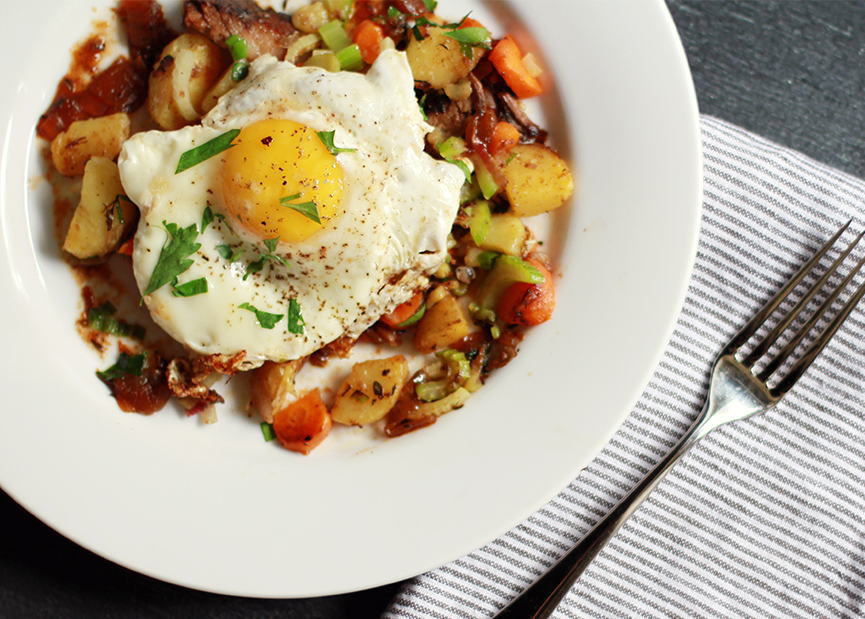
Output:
(403, 312)
(508, 61)
(304, 424)
(529, 304)
(368, 35)
(505, 137)
(126, 248)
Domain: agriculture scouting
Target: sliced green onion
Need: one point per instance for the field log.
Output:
(239, 70)
(268, 431)
(350, 58)
(237, 47)
(101, 319)
(126, 364)
(205, 151)
(334, 36)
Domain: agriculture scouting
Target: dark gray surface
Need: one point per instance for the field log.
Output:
(790, 71)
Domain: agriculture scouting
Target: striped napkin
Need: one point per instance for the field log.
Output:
(764, 517)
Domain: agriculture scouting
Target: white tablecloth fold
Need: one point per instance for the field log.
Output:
(764, 517)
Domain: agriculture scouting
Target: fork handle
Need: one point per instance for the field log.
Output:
(541, 598)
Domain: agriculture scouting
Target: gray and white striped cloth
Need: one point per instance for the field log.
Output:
(764, 517)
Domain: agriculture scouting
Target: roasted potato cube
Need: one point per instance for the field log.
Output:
(438, 60)
(506, 235)
(186, 71)
(538, 180)
(95, 137)
(272, 387)
(104, 216)
(442, 325)
(370, 391)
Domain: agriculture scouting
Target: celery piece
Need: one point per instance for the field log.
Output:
(350, 58)
(506, 270)
(486, 182)
(334, 36)
(479, 222)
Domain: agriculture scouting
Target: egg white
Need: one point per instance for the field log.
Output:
(399, 207)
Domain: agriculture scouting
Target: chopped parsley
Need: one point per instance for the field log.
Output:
(308, 209)
(265, 319)
(258, 265)
(189, 289)
(174, 257)
(296, 322)
(229, 254)
(326, 138)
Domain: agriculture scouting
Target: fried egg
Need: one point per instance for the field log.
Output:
(303, 245)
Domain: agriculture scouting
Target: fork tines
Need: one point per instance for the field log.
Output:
(786, 352)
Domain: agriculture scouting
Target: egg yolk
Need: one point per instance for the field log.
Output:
(278, 178)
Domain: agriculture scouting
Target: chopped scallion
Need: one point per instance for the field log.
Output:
(268, 431)
(239, 70)
(126, 364)
(237, 47)
(205, 151)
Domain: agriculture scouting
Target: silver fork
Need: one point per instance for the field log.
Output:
(737, 390)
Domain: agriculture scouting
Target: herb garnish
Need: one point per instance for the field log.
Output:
(295, 320)
(265, 319)
(268, 431)
(189, 289)
(194, 156)
(174, 257)
(229, 254)
(326, 138)
(101, 319)
(258, 265)
(126, 364)
(308, 209)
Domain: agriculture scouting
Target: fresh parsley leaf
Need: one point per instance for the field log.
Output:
(189, 289)
(308, 209)
(296, 322)
(194, 156)
(228, 254)
(326, 138)
(430, 5)
(206, 218)
(394, 12)
(469, 38)
(258, 265)
(174, 257)
(265, 319)
(126, 364)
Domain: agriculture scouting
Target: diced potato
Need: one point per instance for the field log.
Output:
(223, 86)
(95, 137)
(311, 17)
(104, 216)
(442, 325)
(506, 234)
(538, 180)
(370, 391)
(304, 424)
(438, 60)
(272, 387)
(186, 71)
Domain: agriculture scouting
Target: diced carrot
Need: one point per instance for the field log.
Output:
(126, 247)
(403, 312)
(468, 22)
(303, 424)
(505, 137)
(529, 304)
(508, 61)
(368, 35)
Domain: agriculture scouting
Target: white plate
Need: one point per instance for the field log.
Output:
(216, 508)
